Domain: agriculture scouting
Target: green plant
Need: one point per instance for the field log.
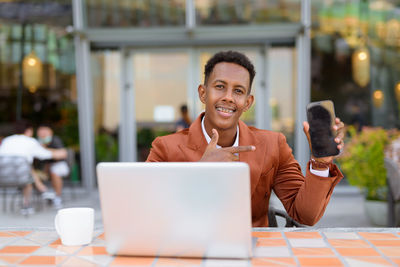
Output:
(363, 161)
(106, 147)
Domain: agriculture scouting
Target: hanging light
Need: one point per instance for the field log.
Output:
(360, 62)
(32, 70)
(377, 98)
(397, 91)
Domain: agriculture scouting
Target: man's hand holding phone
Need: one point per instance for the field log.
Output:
(339, 129)
(324, 133)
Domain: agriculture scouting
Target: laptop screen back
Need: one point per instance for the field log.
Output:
(176, 209)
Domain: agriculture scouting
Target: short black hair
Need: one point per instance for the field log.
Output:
(22, 125)
(230, 57)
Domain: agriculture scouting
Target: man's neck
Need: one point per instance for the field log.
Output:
(226, 136)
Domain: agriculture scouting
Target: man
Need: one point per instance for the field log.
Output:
(184, 121)
(23, 144)
(57, 169)
(226, 95)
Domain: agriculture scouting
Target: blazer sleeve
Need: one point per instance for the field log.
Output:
(304, 198)
(158, 151)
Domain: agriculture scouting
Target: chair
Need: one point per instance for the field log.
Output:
(393, 183)
(274, 213)
(15, 172)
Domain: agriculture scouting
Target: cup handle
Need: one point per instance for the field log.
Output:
(56, 219)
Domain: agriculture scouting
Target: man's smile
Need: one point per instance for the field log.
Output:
(225, 111)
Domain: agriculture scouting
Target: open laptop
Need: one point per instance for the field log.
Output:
(176, 209)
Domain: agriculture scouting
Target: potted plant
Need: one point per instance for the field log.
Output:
(363, 164)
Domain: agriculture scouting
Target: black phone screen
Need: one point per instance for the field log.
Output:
(321, 116)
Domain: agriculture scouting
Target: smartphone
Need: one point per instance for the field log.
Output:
(321, 118)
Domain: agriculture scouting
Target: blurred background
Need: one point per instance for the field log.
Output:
(111, 75)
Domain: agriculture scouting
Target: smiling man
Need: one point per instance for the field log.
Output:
(226, 93)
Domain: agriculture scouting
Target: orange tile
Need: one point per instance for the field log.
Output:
(43, 260)
(20, 233)
(390, 251)
(178, 262)
(348, 243)
(74, 262)
(386, 243)
(267, 234)
(368, 235)
(93, 251)
(303, 235)
(57, 242)
(18, 249)
(396, 260)
(270, 261)
(132, 261)
(11, 259)
(5, 234)
(312, 252)
(375, 260)
(66, 249)
(266, 242)
(357, 252)
(319, 261)
(102, 236)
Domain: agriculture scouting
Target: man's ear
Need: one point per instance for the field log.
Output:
(202, 93)
(249, 102)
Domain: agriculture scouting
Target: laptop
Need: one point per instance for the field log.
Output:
(176, 209)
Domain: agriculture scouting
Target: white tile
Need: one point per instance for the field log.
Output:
(307, 242)
(24, 242)
(271, 252)
(6, 240)
(338, 235)
(48, 251)
(227, 263)
(101, 260)
(43, 238)
(359, 263)
(98, 243)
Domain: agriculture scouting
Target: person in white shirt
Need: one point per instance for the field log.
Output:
(23, 144)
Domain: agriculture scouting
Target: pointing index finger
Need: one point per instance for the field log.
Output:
(238, 149)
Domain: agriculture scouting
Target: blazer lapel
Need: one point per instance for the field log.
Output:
(196, 143)
(247, 138)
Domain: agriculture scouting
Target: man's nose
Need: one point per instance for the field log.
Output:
(228, 96)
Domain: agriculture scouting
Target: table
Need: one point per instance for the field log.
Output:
(274, 247)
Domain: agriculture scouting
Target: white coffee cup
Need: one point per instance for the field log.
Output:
(75, 226)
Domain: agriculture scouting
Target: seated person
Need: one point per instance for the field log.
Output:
(184, 121)
(219, 135)
(23, 144)
(56, 169)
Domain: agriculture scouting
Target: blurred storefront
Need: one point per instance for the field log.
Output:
(128, 65)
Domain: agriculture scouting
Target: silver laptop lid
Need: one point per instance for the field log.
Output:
(176, 209)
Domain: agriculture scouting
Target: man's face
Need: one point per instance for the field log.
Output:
(44, 134)
(226, 95)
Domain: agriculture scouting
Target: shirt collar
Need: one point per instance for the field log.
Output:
(208, 139)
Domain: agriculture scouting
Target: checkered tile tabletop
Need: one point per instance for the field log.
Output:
(278, 247)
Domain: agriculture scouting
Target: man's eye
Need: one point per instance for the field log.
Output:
(239, 91)
(219, 86)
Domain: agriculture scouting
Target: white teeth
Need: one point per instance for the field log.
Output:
(224, 110)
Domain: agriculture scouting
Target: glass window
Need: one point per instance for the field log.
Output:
(221, 12)
(282, 84)
(135, 13)
(106, 69)
(160, 81)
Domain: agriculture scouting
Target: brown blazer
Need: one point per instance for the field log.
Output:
(272, 166)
